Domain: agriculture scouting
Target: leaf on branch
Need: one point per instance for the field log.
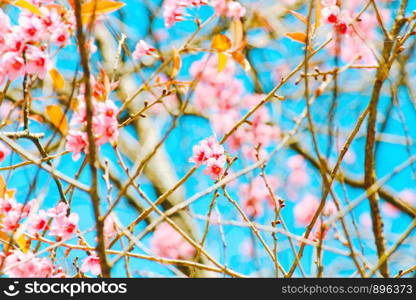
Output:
(23, 243)
(98, 8)
(239, 57)
(297, 36)
(238, 32)
(58, 81)
(28, 6)
(222, 61)
(299, 16)
(57, 118)
(3, 188)
(318, 14)
(221, 43)
(177, 63)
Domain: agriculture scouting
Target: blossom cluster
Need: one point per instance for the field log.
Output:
(175, 10)
(24, 47)
(222, 98)
(167, 242)
(332, 14)
(306, 209)
(104, 121)
(256, 192)
(18, 264)
(211, 154)
(353, 33)
(57, 222)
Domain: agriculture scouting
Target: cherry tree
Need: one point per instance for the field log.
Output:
(207, 138)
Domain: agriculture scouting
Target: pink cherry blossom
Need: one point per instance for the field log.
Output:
(305, 210)
(19, 264)
(214, 167)
(38, 223)
(166, 242)
(255, 193)
(60, 36)
(31, 27)
(143, 49)
(91, 264)
(59, 210)
(235, 10)
(37, 62)
(110, 229)
(13, 65)
(76, 142)
(64, 227)
(4, 151)
(11, 220)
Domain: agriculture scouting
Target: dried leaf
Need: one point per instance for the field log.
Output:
(297, 36)
(318, 14)
(58, 81)
(299, 16)
(101, 7)
(239, 57)
(221, 43)
(30, 7)
(23, 243)
(4, 236)
(177, 62)
(3, 188)
(57, 118)
(222, 61)
(238, 32)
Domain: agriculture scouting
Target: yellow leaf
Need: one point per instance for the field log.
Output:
(4, 237)
(238, 31)
(30, 7)
(3, 188)
(57, 117)
(222, 61)
(239, 57)
(299, 16)
(297, 36)
(10, 193)
(23, 243)
(221, 43)
(98, 8)
(177, 62)
(58, 81)
(318, 14)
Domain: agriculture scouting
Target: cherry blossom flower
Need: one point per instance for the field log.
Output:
(255, 193)
(59, 210)
(235, 10)
(175, 10)
(110, 229)
(38, 62)
(305, 210)
(4, 151)
(64, 227)
(76, 142)
(143, 49)
(13, 64)
(232, 9)
(166, 242)
(38, 223)
(210, 153)
(105, 124)
(21, 265)
(91, 264)
(31, 27)
(214, 167)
